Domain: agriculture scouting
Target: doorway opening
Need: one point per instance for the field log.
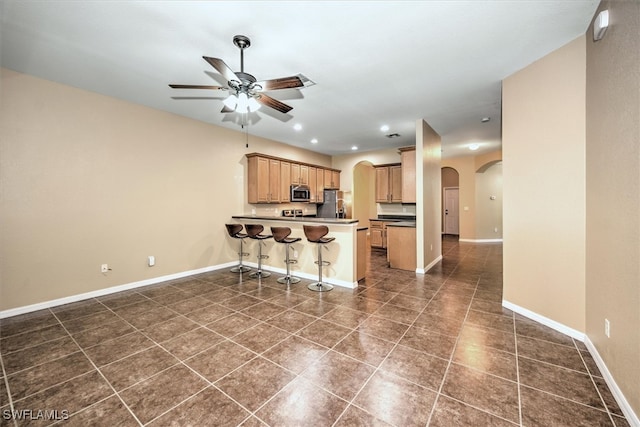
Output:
(450, 201)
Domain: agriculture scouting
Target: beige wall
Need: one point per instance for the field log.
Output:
(364, 192)
(613, 195)
(87, 179)
(543, 144)
(347, 162)
(428, 206)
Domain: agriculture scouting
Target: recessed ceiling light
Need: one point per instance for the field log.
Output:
(485, 119)
(474, 147)
(384, 128)
(297, 126)
(355, 147)
(314, 141)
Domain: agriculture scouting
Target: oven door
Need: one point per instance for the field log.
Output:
(300, 193)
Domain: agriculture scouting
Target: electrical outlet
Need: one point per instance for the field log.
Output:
(104, 268)
(607, 328)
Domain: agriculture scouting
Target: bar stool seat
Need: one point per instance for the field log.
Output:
(235, 231)
(254, 230)
(316, 234)
(281, 235)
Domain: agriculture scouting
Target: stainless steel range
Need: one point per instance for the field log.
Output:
(292, 213)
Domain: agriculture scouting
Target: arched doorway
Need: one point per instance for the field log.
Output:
(364, 189)
(450, 201)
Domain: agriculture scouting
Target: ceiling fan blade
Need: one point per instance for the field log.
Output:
(273, 103)
(197, 87)
(281, 83)
(222, 68)
(226, 109)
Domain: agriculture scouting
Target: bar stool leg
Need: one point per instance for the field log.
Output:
(319, 286)
(259, 272)
(288, 279)
(241, 268)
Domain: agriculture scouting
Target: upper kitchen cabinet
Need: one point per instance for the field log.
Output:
(331, 179)
(389, 183)
(319, 185)
(285, 180)
(299, 174)
(313, 185)
(269, 179)
(264, 180)
(408, 161)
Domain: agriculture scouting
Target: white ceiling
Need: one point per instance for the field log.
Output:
(373, 62)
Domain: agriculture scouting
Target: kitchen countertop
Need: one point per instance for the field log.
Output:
(394, 218)
(338, 221)
(411, 224)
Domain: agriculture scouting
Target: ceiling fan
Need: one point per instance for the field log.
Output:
(247, 94)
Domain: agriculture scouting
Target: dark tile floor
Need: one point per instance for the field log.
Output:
(401, 350)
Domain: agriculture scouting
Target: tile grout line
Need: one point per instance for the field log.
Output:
(101, 374)
(6, 384)
(455, 345)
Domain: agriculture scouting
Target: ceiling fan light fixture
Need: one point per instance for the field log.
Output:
(243, 103)
(253, 104)
(231, 102)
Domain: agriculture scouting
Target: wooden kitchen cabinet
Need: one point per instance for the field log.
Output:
(285, 179)
(377, 234)
(408, 161)
(264, 180)
(269, 179)
(299, 174)
(295, 173)
(331, 179)
(319, 185)
(389, 183)
(313, 186)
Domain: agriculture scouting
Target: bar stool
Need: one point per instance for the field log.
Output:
(315, 234)
(254, 230)
(234, 231)
(281, 235)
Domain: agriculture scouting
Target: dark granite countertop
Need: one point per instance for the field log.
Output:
(338, 221)
(410, 224)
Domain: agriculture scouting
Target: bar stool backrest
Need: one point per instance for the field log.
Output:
(315, 232)
(253, 229)
(234, 229)
(280, 233)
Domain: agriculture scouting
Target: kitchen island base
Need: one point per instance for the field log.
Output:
(341, 253)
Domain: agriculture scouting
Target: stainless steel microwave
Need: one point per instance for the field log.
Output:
(300, 193)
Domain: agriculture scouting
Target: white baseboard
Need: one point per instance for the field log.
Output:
(544, 320)
(108, 291)
(631, 417)
(133, 285)
(428, 267)
(480, 240)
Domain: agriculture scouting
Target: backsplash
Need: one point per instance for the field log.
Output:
(396, 209)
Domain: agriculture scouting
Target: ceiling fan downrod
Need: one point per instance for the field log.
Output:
(242, 42)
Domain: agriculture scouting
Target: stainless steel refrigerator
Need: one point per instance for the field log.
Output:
(333, 205)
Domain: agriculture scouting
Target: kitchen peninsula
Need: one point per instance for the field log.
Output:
(343, 253)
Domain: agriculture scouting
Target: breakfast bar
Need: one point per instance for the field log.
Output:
(342, 253)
